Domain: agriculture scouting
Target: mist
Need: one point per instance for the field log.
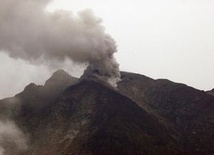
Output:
(12, 140)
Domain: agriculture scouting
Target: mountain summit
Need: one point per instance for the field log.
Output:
(142, 116)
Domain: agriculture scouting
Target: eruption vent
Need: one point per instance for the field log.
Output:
(31, 33)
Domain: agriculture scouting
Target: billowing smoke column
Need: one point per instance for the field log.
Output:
(29, 32)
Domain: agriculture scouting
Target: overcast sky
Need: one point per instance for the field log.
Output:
(171, 39)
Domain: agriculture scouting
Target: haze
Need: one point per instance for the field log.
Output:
(170, 39)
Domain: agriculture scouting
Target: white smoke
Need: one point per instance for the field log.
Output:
(12, 140)
(29, 32)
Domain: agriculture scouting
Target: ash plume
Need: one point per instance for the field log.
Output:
(33, 34)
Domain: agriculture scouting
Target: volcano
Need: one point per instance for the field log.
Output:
(140, 116)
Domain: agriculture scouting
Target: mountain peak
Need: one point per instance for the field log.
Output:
(30, 87)
(60, 72)
(59, 77)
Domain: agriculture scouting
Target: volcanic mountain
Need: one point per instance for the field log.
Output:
(141, 116)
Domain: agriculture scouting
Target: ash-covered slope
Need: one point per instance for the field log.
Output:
(186, 109)
(94, 119)
(143, 116)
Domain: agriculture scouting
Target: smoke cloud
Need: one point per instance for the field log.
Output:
(12, 140)
(31, 33)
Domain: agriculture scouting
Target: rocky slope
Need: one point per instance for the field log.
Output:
(142, 116)
(186, 109)
(35, 97)
(99, 121)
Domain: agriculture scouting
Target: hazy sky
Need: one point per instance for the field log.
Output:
(171, 39)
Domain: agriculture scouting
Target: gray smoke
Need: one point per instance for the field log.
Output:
(12, 140)
(29, 32)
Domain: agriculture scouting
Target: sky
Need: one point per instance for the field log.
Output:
(170, 39)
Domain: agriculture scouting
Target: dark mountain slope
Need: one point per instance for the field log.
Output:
(190, 111)
(31, 102)
(144, 116)
(211, 92)
(36, 97)
(94, 119)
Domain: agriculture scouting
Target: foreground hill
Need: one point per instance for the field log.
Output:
(90, 118)
(186, 109)
(142, 116)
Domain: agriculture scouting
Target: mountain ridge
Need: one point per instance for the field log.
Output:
(102, 122)
(141, 116)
